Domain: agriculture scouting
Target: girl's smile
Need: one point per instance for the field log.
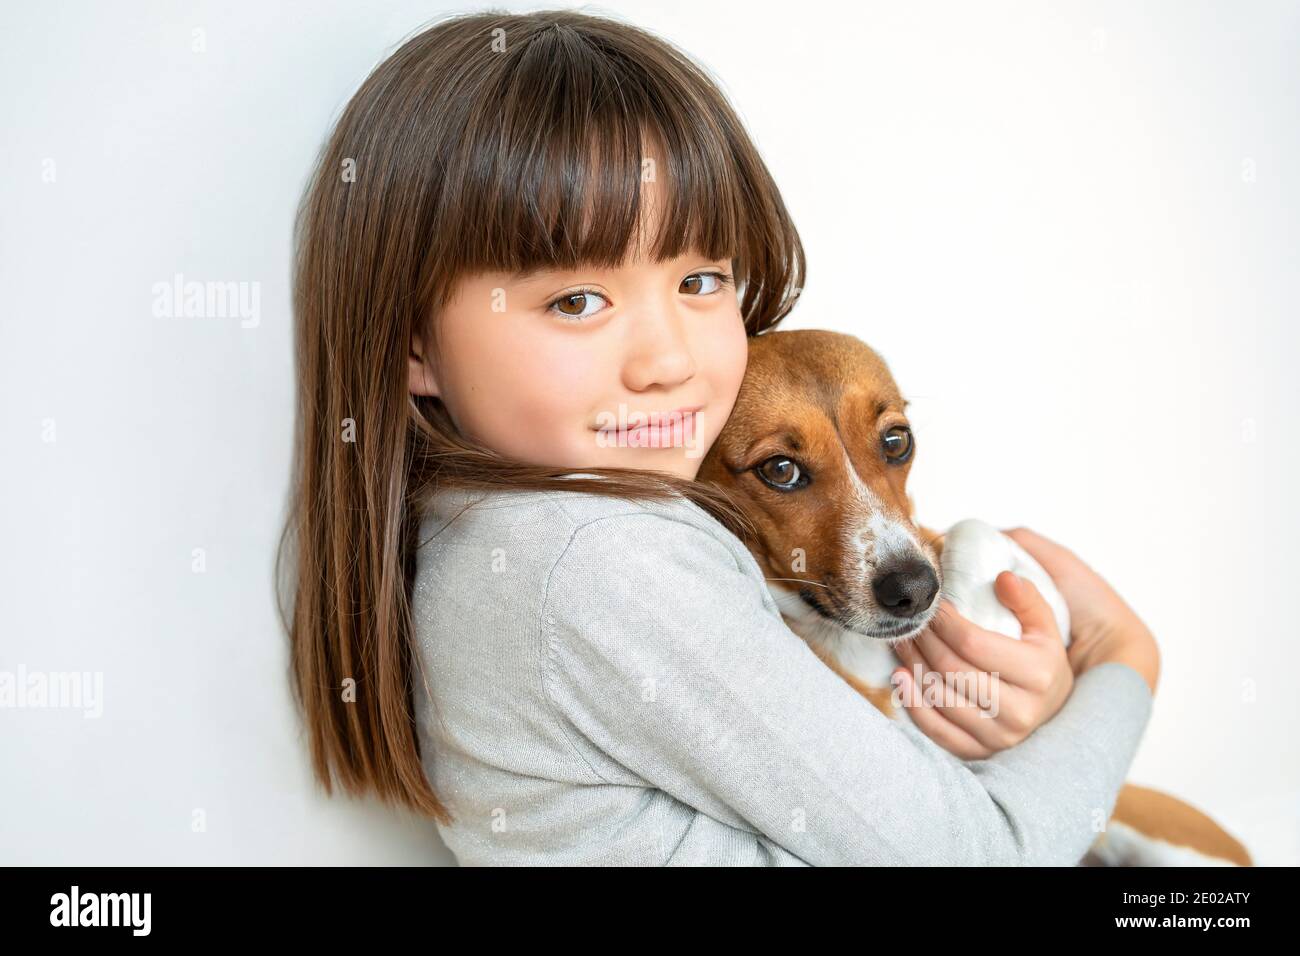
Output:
(671, 429)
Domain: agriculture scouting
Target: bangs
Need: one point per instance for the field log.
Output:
(557, 139)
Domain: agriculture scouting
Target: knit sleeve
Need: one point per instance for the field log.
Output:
(660, 651)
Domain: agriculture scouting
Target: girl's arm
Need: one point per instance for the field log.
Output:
(664, 650)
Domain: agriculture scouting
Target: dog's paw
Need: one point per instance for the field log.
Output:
(974, 554)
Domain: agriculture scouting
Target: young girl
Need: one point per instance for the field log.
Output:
(515, 613)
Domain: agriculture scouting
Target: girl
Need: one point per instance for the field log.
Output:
(518, 615)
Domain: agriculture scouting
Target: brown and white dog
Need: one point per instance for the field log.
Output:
(817, 451)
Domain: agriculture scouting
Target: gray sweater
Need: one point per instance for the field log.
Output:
(607, 682)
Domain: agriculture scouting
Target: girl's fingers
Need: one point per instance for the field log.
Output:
(962, 690)
(1017, 662)
(943, 658)
(1022, 597)
(936, 726)
(907, 653)
(910, 654)
(975, 708)
(942, 662)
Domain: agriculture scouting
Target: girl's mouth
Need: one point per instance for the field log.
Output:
(657, 430)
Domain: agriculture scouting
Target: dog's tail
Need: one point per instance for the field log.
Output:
(1162, 830)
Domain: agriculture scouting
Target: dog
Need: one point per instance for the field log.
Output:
(816, 452)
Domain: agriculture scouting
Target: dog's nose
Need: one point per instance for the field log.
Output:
(906, 589)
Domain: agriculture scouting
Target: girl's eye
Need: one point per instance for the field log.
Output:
(584, 303)
(693, 284)
(575, 305)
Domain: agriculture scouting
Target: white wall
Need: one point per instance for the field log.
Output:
(1070, 228)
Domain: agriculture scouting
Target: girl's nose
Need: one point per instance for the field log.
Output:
(659, 352)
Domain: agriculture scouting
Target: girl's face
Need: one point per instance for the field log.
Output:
(558, 368)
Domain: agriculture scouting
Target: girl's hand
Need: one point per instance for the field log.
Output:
(996, 690)
(1102, 626)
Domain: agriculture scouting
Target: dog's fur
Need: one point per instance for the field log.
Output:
(823, 403)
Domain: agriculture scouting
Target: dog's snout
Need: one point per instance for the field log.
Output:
(906, 589)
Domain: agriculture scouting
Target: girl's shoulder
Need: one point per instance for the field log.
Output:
(463, 515)
(503, 547)
(494, 569)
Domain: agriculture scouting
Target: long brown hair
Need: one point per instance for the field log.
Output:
(491, 141)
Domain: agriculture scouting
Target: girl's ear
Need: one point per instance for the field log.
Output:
(420, 377)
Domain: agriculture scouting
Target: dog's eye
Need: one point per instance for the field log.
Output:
(782, 473)
(898, 444)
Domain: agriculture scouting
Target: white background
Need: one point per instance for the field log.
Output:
(1070, 228)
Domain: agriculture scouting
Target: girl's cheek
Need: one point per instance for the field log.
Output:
(733, 352)
(544, 397)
